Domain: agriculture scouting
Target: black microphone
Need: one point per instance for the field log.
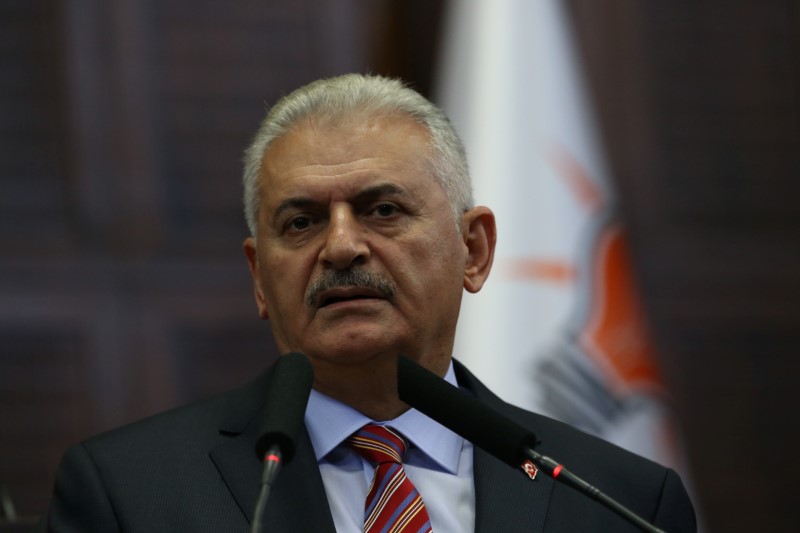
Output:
(284, 409)
(463, 414)
(491, 431)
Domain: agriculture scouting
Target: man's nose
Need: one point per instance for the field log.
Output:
(345, 241)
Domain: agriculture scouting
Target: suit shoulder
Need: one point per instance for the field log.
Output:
(186, 429)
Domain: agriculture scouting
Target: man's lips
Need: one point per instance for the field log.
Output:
(342, 294)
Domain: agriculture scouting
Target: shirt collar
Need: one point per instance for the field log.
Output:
(329, 422)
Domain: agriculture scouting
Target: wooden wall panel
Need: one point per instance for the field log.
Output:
(45, 400)
(33, 191)
(181, 306)
(214, 72)
(58, 374)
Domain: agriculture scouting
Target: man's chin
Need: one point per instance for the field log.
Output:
(356, 351)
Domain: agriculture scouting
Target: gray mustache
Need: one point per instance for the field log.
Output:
(352, 277)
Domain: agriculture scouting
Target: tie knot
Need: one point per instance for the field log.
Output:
(379, 444)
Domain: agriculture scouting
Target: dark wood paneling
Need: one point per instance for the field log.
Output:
(45, 400)
(214, 71)
(33, 189)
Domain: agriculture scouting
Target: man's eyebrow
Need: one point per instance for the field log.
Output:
(366, 195)
(380, 190)
(294, 203)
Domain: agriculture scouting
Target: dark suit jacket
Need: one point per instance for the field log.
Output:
(194, 469)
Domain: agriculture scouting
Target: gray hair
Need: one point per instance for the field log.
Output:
(337, 98)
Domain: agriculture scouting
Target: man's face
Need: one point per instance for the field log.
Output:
(357, 205)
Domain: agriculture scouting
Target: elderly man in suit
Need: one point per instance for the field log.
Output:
(364, 236)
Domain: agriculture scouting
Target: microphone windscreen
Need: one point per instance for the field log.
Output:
(285, 406)
(462, 414)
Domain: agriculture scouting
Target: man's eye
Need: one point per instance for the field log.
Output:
(385, 210)
(299, 223)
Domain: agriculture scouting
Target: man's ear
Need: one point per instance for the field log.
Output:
(252, 262)
(480, 236)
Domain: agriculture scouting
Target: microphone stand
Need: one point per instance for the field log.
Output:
(272, 466)
(284, 407)
(559, 473)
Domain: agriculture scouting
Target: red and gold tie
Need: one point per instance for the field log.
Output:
(393, 504)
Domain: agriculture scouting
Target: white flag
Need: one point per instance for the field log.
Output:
(557, 328)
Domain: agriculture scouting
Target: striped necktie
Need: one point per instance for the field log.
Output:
(393, 504)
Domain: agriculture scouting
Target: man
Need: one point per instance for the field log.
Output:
(363, 237)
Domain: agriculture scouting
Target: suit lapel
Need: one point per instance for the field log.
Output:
(240, 470)
(297, 501)
(505, 498)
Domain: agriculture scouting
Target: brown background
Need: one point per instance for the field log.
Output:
(122, 285)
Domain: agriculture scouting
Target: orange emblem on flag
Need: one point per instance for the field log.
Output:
(615, 333)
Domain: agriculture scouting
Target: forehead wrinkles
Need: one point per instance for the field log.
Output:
(332, 186)
(287, 176)
(355, 168)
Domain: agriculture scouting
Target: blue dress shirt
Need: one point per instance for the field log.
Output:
(438, 462)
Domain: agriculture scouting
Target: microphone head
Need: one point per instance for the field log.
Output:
(285, 406)
(462, 414)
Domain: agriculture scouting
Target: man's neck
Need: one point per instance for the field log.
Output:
(370, 388)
